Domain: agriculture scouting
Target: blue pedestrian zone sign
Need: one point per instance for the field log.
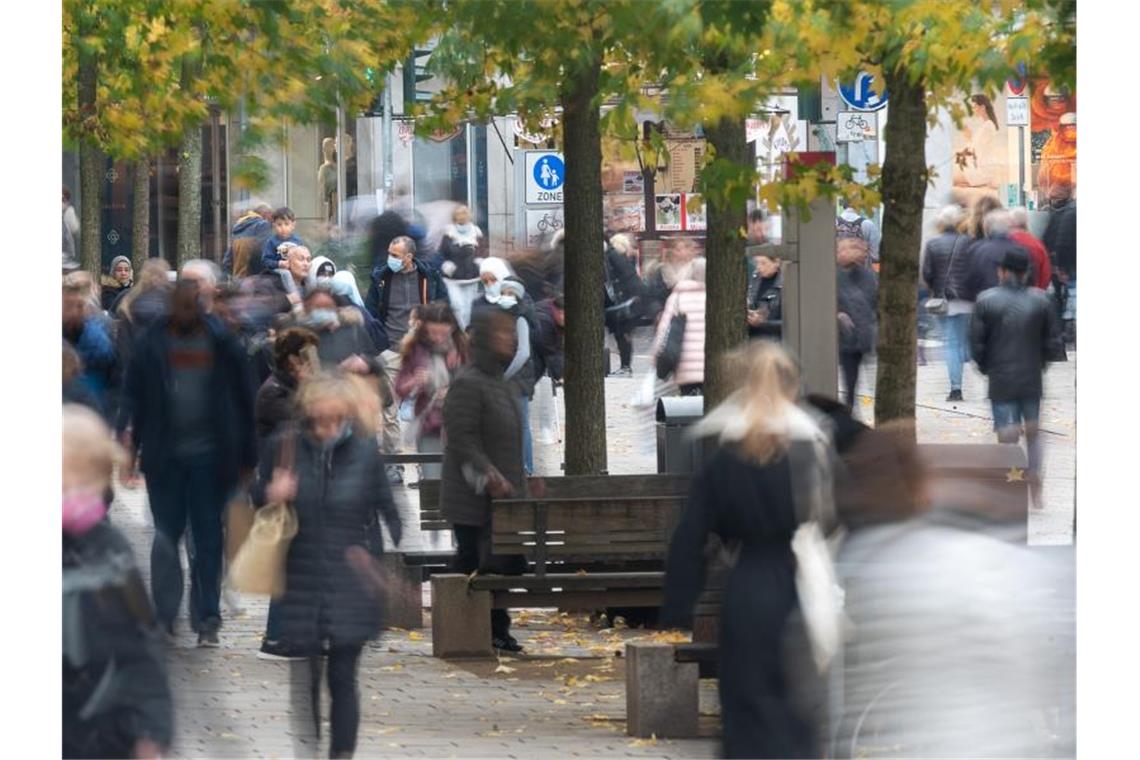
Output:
(549, 172)
(860, 96)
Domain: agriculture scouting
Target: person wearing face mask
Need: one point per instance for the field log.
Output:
(321, 269)
(482, 455)
(401, 284)
(493, 271)
(520, 372)
(332, 475)
(430, 356)
(188, 401)
(460, 246)
(116, 697)
(343, 341)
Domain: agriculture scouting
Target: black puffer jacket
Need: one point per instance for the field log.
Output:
(483, 428)
(341, 491)
(1060, 237)
(770, 294)
(115, 689)
(946, 266)
(1013, 333)
(273, 408)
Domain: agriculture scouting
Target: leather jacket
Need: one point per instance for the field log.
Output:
(1013, 333)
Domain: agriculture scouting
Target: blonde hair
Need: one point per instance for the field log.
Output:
(89, 452)
(460, 209)
(83, 283)
(761, 414)
(362, 399)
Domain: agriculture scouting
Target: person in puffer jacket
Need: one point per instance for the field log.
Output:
(688, 298)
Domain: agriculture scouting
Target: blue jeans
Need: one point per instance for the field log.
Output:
(955, 330)
(188, 492)
(528, 439)
(1008, 419)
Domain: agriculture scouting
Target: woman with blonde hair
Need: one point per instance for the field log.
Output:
(332, 473)
(747, 493)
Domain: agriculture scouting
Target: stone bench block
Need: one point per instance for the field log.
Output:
(460, 619)
(661, 695)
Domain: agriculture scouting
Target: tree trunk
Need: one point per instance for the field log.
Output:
(190, 195)
(90, 171)
(726, 277)
(140, 220)
(585, 381)
(904, 189)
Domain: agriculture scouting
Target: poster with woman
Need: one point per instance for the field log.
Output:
(981, 150)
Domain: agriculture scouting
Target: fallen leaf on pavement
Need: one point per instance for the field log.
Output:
(505, 669)
(415, 636)
(650, 742)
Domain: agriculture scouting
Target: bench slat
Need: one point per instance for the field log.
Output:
(577, 600)
(568, 580)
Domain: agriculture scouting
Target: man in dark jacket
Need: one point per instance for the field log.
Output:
(547, 340)
(1013, 333)
(189, 402)
(1060, 241)
(624, 293)
(399, 284)
(765, 299)
(857, 292)
(483, 456)
(987, 254)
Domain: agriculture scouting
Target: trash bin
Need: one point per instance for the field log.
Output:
(676, 452)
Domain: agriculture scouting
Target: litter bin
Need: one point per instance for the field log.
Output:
(676, 452)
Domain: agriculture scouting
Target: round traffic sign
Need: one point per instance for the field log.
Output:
(860, 96)
(549, 172)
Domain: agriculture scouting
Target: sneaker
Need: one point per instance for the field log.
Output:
(623, 372)
(395, 475)
(208, 640)
(955, 395)
(509, 644)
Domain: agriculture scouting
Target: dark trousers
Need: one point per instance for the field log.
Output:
(473, 552)
(344, 708)
(849, 362)
(624, 344)
(189, 491)
(693, 389)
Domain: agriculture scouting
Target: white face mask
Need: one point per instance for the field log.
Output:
(492, 292)
(508, 302)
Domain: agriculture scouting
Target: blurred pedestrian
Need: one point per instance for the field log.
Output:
(858, 230)
(747, 494)
(288, 283)
(548, 341)
(403, 283)
(336, 486)
(343, 342)
(116, 284)
(520, 372)
(1060, 241)
(483, 456)
(139, 307)
(116, 698)
(209, 278)
(623, 297)
(765, 314)
(461, 246)
(247, 239)
(987, 254)
(90, 338)
(322, 268)
(1013, 334)
(74, 391)
(945, 268)
(1040, 269)
(430, 357)
(688, 300)
(70, 218)
(189, 403)
(283, 238)
(858, 301)
(974, 225)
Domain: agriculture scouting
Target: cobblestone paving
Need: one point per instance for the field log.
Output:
(566, 696)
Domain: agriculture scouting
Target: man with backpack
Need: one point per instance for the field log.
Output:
(851, 225)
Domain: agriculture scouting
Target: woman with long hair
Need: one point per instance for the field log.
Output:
(430, 355)
(333, 475)
(747, 493)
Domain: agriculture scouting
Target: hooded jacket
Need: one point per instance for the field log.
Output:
(342, 492)
(112, 289)
(1013, 333)
(248, 236)
(146, 402)
(482, 429)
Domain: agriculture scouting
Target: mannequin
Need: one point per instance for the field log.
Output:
(326, 178)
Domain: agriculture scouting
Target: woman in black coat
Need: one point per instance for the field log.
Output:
(744, 494)
(336, 484)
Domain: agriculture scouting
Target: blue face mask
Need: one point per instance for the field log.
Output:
(395, 264)
(320, 318)
(508, 302)
(492, 291)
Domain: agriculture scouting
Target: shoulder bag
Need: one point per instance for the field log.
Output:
(939, 305)
(670, 354)
(259, 566)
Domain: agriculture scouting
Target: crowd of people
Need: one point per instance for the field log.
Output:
(272, 379)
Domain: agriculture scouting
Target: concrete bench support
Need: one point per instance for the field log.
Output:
(661, 694)
(405, 599)
(460, 619)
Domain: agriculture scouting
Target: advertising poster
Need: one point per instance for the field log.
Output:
(696, 219)
(667, 212)
(981, 156)
(1053, 128)
(633, 182)
(624, 212)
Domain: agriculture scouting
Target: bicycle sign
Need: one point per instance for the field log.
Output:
(855, 126)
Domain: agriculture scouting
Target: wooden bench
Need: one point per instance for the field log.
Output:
(589, 542)
(986, 483)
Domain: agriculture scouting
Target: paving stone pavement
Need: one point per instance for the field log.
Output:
(566, 696)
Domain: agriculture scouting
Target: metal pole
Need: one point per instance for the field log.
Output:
(340, 180)
(216, 185)
(388, 179)
(1021, 165)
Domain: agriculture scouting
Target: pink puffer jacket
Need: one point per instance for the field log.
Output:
(688, 298)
